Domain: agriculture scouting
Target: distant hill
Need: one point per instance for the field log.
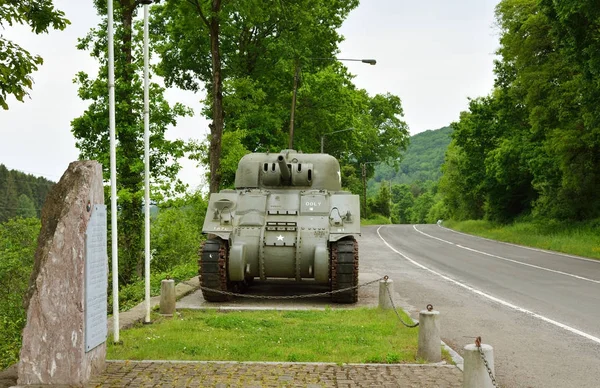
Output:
(421, 162)
(21, 194)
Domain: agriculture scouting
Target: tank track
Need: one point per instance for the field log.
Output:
(212, 269)
(344, 270)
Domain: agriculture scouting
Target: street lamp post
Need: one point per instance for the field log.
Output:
(331, 133)
(296, 76)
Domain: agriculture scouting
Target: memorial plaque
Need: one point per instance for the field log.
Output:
(96, 279)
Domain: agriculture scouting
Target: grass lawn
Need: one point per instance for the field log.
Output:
(571, 238)
(364, 335)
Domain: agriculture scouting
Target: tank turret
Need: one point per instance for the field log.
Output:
(287, 218)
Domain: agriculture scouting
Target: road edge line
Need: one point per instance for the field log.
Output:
(493, 298)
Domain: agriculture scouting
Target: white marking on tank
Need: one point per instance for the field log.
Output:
(280, 238)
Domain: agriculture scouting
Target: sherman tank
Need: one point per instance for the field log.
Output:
(286, 218)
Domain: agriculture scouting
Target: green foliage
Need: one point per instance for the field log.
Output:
(91, 129)
(421, 208)
(261, 47)
(25, 207)
(18, 242)
(421, 162)
(21, 194)
(350, 179)
(133, 293)
(438, 210)
(402, 203)
(381, 204)
(375, 219)
(532, 146)
(176, 235)
(232, 152)
(177, 232)
(16, 63)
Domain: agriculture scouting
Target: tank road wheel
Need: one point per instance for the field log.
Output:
(213, 269)
(344, 270)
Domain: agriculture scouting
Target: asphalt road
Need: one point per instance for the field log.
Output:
(539, 310)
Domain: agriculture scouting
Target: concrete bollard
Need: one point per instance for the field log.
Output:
(385, 293)
(430, 343)
(167, 297)
(475, 374)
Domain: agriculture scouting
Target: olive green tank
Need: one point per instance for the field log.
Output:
(287, 218)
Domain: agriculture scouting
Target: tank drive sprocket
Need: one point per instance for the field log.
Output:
(212, 269)
(344, 270)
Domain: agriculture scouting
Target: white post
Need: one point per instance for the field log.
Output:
(146, 167)
(167, 297)
(386, 291)
(430, 343)
(113, 173)
(475, 373)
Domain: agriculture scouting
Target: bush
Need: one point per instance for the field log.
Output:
(177, 233)
(18, 242)
(175, 243)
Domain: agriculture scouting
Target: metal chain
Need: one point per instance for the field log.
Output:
(288, 296)
(478, 344)
(387, 289)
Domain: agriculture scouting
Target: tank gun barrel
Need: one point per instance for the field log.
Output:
(286, 174)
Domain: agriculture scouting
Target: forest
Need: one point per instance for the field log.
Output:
(530, 149)
(21, 194)
(532, 146)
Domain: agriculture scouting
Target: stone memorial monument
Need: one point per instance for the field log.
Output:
(64, 340)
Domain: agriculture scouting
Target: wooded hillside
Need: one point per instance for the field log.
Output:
(421, 162)
(21, 194)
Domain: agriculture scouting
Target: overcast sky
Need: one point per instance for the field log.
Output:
(432, 54)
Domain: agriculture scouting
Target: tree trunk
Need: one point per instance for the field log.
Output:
(216, 128)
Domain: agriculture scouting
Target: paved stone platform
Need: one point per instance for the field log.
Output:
(255, 375)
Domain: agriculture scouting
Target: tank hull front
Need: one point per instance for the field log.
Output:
(281, 233)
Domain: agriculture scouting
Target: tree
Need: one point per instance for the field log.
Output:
(9, 198)
(402, 203)
(25, 207)
(382, 201)
(421, 208)
(177, 232)
(252, 48)
(91, 129)
(18, 241)
(16, 63)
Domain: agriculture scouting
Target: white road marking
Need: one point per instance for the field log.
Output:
(521, 246)
(493, 298)
(506, 259)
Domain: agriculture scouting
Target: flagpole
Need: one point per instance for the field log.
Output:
(146, 166)
(113, 173)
